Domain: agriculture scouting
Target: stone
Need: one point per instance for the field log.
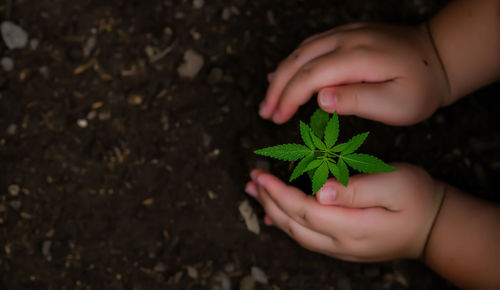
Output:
(7, 63)
(14, 189)
(249, 216)
(221, 282)
(198, 4)
(13, 35)
(258, 275)
(46, 245)
(12, 129)
(192, 64)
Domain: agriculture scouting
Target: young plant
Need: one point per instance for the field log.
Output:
(320, 155)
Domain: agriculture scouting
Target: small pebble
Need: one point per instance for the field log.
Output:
(198, 4)
(104, 115)
(160, 267)
(2, 208)
(13, 35)
(46, 245)
(89, 46)
(82, 123)
(12, 129)
(259, 275)
(192, 272)
(34, 43)
(14, 189)
(7, 63)
(221, 282)
(192, 64)
(226, 14)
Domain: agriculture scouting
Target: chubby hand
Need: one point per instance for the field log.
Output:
(385, 73)
(377, 217)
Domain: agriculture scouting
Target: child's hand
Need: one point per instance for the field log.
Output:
(377, 217)
(386, 73)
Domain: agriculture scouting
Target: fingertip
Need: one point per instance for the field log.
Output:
(267, 220)
(327, 194)
(251, 189)
(254, 174)
(328, 99)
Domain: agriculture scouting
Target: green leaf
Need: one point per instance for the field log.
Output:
(319, 178)
(334, 170)
(353, 144)
(318, 143)
(367, 163)
(285, 152)
(339, 147)
(300, 168)
(305, 133)
(313, 164)
(318, 122)
(343, 172)
(332, 131)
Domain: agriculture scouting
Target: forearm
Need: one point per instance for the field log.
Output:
(466, 34)
(464, 246)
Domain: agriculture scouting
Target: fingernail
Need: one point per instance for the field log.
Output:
(327, 99)
(263, 111)
(268, 221)
(277, 116)
(326, 195)
(251, 190)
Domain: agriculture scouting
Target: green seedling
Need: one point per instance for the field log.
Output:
(321, 156)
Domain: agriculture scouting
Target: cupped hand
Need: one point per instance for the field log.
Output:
(377, 217)
(386, 73)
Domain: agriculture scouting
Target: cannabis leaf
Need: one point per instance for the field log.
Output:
(285, 152)
(320, 156)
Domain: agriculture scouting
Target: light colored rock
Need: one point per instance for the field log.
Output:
(7, 63)
(221, 281)
(198, 4)
(193, 63)
(249, 216)
(89, 46)
(258, 275)
(14, 189)
(13, 35)
(46, 245)
(12, 129)
(192, 272)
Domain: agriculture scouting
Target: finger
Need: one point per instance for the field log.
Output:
(286, 70)
(363, 191)
(306, 211)
(306, 237)
(270, 77)
(375, 101)
(333, 69)
(251, 189)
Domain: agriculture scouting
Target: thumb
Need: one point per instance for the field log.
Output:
(363, 191)
(375, 101)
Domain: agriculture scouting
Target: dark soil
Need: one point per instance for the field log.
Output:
(146, 195)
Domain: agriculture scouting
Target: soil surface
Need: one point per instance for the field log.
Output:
(116, 172)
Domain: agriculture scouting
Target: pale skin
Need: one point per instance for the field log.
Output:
(398, 75)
